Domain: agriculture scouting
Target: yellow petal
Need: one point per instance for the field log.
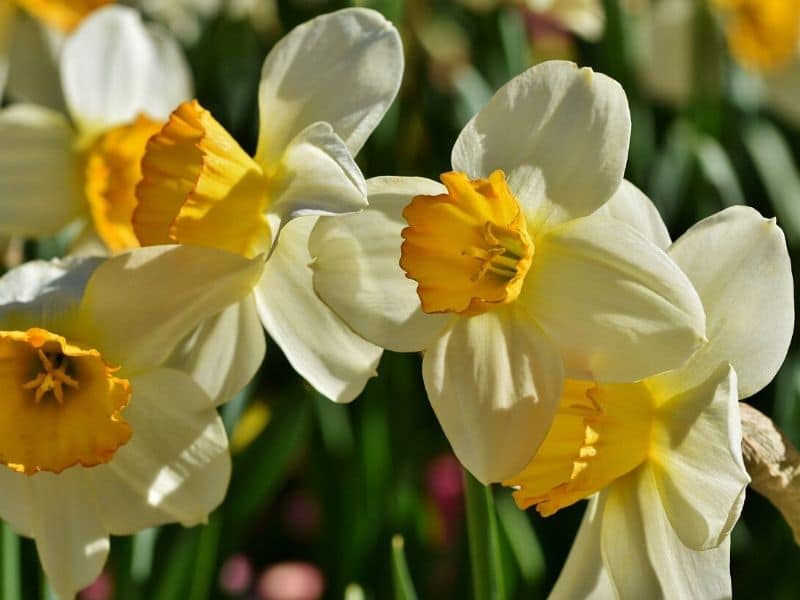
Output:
(62, 14)
(468, 249)
(199, 187)
(600, 433)
(762, 35)
(112, 171)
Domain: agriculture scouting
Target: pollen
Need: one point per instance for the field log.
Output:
(52, 378)
(600, 433)
(199, 187)
(62, 404)
(64, 15)
(112, 172)
(469, 249)
(762, 35)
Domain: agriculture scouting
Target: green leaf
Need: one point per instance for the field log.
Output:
(401, 578)
(514, 38)
(718, 170)
(773, 160)
(484, 541)
(178, 567)
(672, 170)
(334, 424)
(522, 538)
(472, 93)
(144, 543)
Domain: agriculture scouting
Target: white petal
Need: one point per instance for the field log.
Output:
(586, 18)
(739, 264)
(72, 542)
(317, 176)
(584, 575)
(560, 134)
(356, 265)
(224, 353)
(617, 307)
(44, 294)
(33, 63)
(139, 305)
(630, 205)
(494, 381)
(696, 458)
(343, 68)
(113, 68)
(645, 557)
(176, 465)
(40, 183)
(14, 506)
(31, 280)
(317, 343)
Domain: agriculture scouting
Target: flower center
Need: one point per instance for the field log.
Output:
(112, 172)
(61, 404)
(600, 433)
(763, 35)
(469, 249)
(61, 14)
(199, 187)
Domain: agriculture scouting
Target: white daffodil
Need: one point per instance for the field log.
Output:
(99, 432)
(762, 37)
(32, 33)
(665, 453)
(505, 278)
(324, 88)
(120, 81)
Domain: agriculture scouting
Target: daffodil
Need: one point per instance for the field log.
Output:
(31, 35)
(120, 81)
(324, 88)
(503, 275)
(100, 431)
(661, 458)
(763, 38)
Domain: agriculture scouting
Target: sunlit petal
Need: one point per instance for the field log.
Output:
(494, 382)
(317, 343)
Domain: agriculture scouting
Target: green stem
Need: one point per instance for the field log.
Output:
(9, 552)
(484, 541)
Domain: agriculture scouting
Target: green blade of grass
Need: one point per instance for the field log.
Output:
(401, 577)
(718, 170)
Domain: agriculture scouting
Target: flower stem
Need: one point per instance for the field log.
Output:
(484, 541)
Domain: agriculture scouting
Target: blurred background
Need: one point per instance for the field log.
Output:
(320, 491)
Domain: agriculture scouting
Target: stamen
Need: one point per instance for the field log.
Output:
(83, 425)
(469, 249)
(52, 379)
